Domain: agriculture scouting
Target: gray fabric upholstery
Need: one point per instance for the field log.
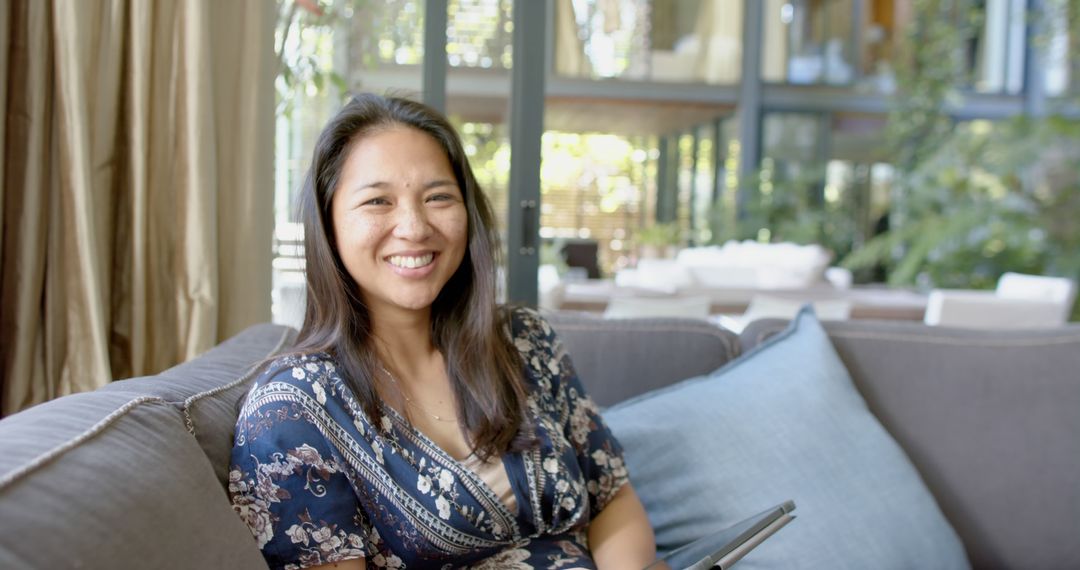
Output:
(991, 420)
(108, 480)
(207, 389)
(620, 358)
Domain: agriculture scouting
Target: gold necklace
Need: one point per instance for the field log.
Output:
(409, 400)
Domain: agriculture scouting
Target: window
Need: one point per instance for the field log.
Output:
(327, 50)
(480, 33)
(594, 187)
(687, 41)
(1061, 21)
(823, 179)
(809, 42)
(995, 48)
(859, 42)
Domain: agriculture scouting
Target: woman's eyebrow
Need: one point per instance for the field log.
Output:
(376, 184)
(440, 182)
(382, 184)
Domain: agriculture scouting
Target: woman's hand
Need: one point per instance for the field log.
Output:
(620, 536)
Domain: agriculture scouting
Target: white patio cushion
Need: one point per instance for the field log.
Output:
(987, 310)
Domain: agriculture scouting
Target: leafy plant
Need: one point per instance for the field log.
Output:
(302, 45)
(994, 198)
(789, 207)
(933, 209)
(659, 235)
(929, 68)
(973, 200)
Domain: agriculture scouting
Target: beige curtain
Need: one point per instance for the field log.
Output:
(136, 167)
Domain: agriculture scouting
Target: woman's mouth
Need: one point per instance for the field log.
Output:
(411, 262)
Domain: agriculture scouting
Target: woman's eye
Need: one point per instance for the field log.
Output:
(440, 197)
(376, 202)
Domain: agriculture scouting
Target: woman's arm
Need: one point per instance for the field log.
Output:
(620, 536)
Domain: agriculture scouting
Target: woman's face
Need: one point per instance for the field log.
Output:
(399, 218)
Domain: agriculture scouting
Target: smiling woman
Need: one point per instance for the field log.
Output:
(416, 423)
(402, 236)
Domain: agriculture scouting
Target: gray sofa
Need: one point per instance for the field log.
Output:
(133, 475)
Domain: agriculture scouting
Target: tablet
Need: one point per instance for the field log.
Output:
(728, 546)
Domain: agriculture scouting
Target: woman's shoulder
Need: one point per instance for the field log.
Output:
(526, 322)
(296, 375)
(531, 333)
(541, 351)
(298, 368)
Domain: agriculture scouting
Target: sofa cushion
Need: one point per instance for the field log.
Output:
(783, 422)
(617, 359)
(991, 420)
(86, 479)
(207, 389)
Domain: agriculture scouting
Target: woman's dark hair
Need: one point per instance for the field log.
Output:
(467, 325)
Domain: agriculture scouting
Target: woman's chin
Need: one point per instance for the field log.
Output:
(414, 302)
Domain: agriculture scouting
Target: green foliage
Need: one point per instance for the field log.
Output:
(659, 235)
(928, 72)
(1054, 18)
(993, 198)
(789, 208)
(927, 77)
(785, 204)
(975, 200)
(550, 254)
(303, 44)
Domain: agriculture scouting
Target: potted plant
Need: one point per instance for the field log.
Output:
(658, 241)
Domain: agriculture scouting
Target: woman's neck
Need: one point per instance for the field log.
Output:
(403, 340)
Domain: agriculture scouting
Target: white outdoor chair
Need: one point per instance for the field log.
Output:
(1019, 302)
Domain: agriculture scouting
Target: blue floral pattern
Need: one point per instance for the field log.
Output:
(317, 481)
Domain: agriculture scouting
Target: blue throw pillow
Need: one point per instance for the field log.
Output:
(783, 422)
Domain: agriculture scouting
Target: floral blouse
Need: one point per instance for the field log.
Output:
(318, 481)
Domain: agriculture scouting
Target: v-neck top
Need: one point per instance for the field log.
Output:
(318, 481)
(493, 473)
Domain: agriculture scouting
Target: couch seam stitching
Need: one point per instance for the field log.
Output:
(990, 343)
(89, 433)
(711, 331)
(707, 330)
(190, 400)
(1004, 343)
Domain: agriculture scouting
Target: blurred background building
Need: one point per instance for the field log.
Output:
(721, 159)
(913, 140)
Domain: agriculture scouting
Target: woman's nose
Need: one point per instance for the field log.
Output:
(412, 223)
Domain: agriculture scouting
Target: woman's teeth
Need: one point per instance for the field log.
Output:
(411, 262)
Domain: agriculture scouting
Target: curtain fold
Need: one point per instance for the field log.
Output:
(5, 46)
(27, 189)
(80, 257)
(243, 40)
(197, 181)
(137, 187)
